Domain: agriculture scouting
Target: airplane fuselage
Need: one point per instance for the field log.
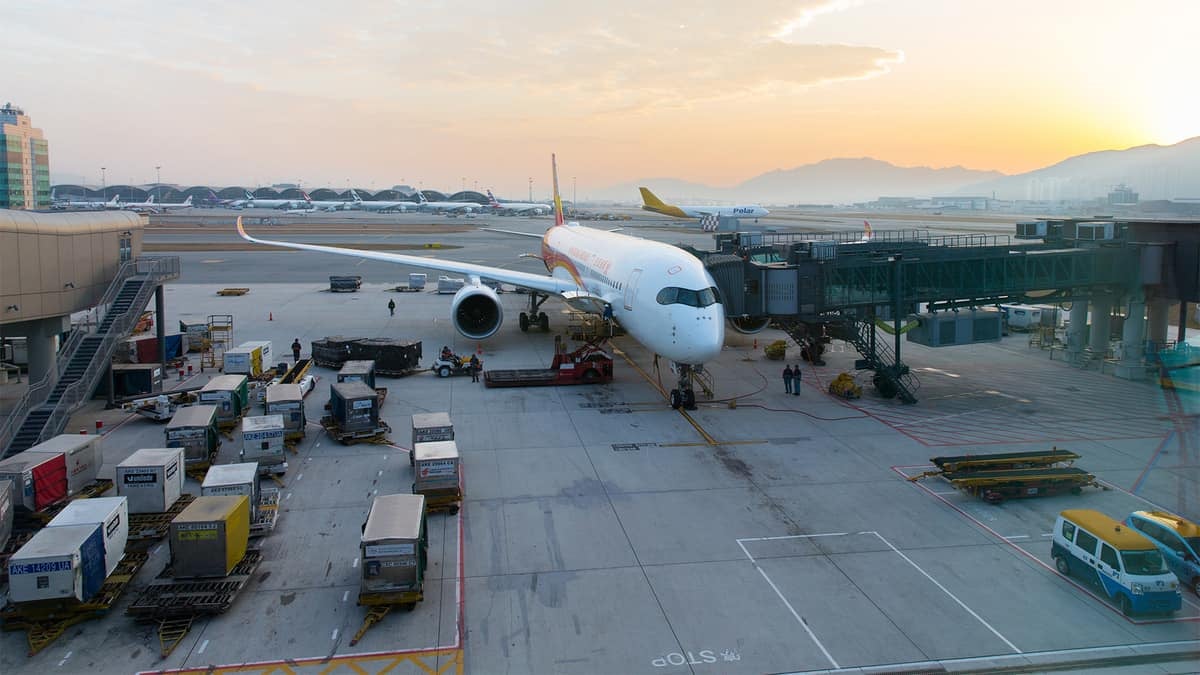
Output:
(635, 277)
(702, 211)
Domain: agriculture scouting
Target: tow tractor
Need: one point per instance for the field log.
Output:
(453, 364)
(589, 364)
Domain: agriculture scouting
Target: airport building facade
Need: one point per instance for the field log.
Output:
(25, 177)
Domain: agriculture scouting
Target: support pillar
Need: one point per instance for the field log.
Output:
(40, 335)
(1076, 330)
(1181, 335)
(1101, 328)
(160, 329)
(1156, 327)
(1133, 344)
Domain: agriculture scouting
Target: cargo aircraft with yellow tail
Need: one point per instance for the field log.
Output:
(662, 296)
(651, 202)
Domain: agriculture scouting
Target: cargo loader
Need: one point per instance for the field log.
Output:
(587, 365)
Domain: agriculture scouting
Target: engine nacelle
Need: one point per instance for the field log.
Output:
(749, 324)
(476, 312)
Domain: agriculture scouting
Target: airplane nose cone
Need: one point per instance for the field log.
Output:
(707, 339)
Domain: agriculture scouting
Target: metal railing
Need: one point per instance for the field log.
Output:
(156, 269)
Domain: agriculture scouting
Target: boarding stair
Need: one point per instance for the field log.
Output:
(892, 379)
(85, 356)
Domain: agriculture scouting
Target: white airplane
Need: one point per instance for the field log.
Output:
(662, 295)
(185, 204)
(516, 207)
(252, 202)
(326, 204)
(114, 203)
(147, 206)
(381, 205)
(445, 207)
(650, 202)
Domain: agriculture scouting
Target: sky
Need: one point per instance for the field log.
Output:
(452, 94)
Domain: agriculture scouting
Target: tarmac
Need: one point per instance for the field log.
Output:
(603, 532)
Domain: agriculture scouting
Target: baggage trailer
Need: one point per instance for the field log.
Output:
(46, 620)
(587, 365)
(996, 486)
(1005, 460)
(194, 428)
(146, 528)
(354, 414)
(393, 550)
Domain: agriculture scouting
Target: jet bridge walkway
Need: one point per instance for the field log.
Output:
(823, 286)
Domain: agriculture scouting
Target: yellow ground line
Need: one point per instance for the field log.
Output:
(708, 439)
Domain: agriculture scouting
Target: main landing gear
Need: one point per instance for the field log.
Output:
(684, 396)
(535, 317)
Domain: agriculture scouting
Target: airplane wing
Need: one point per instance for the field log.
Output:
(537, 282)
(519, 234)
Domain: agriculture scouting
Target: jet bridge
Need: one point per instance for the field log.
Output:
(837, 285)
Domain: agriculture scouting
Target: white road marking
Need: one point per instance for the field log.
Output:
(203, 646)
(1016, 536)
(787, 604)
(1048, 534)
(354, 564)
(345, 596)
(335, 631)
(156, 550)
(374, 492)
(380, 473)
(64, 659)
(385, 458)
(945, 590)
(289, 496)
(300, 477)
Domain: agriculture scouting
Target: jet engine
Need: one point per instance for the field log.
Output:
(476, 312)
(749, 324)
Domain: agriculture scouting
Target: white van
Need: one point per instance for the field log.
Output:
(1022, 317)
(1117, 558)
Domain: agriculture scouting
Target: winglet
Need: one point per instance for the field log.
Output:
(558, 211)
(242, 231)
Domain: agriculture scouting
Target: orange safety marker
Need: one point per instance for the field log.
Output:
(270, 316)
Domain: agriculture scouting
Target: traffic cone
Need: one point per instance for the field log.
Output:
(756, 344)
(478, 348)
(270, 316)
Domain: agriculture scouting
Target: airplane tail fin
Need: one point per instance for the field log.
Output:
(650, 199)
(150, 199)
(355, 196)
(558, 210)
(248, 194)
(188, 201)
(492, 201)
(306, 197)
(420, 197)
(868, 233)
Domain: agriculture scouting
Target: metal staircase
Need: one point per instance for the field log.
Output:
(85, 356)
(892, 378)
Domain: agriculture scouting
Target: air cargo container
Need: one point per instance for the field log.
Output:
(391, 356)
(436, 467)
(133, 379)
(231, 395)
(6, 511)
(264, 348)
(194, 428)
(354, 406)
(57, 563)
(151, 479)
(429, 427)
(111, 514)
(262, 442)
(223, 480)
(39, 480)
(393, 551)
(208, 538)
(83, 453)
(358, 371)
(287, 400)
(242, 361)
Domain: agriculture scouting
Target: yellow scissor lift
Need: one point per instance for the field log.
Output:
(1013, 475)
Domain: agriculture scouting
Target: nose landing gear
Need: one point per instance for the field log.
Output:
(685, 395)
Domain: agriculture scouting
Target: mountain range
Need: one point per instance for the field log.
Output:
(1155, 171)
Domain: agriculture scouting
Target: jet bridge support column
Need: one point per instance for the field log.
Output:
(1101, 325)
(1133, 348)
(1076, 329)
(1157, 324)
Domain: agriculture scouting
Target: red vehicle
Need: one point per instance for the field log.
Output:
(587, 365)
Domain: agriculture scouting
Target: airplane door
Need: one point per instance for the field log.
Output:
(631, 288)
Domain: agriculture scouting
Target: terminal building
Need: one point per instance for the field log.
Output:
(25, 179)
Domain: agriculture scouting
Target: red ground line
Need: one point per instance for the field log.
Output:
(1027, 554)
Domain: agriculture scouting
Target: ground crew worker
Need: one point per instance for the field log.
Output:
(796, 380)
(787, 379)
(392, 307)
(296, 350)
(474, 368)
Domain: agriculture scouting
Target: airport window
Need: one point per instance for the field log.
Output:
(1068, 531)
(1109, 557)
(1086, 542)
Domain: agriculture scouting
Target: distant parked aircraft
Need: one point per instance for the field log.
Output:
(516, 207)
(650, 202)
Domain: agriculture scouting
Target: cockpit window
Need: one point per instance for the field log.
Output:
(673, 295)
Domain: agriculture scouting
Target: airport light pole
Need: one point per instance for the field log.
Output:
(158, 180)
(573, 193)
(531, 188)
(103, 184)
